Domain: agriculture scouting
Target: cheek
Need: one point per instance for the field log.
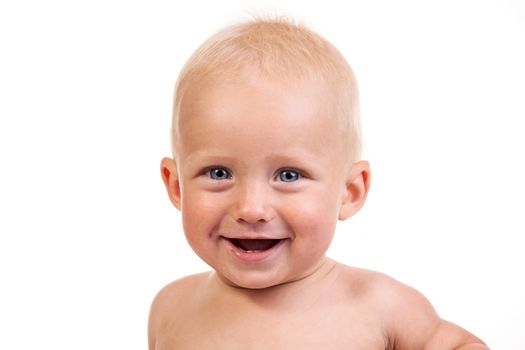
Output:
(200, 218)
(199, 215)
(314, 218)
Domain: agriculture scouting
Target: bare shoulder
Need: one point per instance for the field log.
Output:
(408, 318)
(179, 288)
(389, 293)
(171, 303)
(397, 301)
(373, 286)
(176, 293)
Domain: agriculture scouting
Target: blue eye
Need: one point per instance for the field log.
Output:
(218, 174)
(289, 176)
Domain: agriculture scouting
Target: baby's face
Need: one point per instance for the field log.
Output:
(261, 176)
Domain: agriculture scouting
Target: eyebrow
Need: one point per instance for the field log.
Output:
(206, 156)
(298, 158)
(293, 157)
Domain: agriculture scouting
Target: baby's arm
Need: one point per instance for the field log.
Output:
(450, 336)
(412, 323)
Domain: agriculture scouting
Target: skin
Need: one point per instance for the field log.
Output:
(256, 158)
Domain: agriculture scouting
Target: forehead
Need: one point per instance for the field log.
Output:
(249, 106)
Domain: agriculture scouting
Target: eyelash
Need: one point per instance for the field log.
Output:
(280, 173)
(209, 172)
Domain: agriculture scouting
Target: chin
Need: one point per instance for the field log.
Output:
(251, 281)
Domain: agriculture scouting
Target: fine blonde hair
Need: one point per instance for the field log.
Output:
(280, 49)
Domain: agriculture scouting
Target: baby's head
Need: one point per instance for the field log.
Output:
(281, 51)
(265, 142)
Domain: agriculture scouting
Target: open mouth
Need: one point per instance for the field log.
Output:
(254, 245)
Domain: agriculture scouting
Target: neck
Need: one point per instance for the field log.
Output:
(290, 295)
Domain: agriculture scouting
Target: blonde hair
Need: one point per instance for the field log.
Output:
(278, 48)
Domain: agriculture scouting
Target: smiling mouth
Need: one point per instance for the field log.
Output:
(254, 245)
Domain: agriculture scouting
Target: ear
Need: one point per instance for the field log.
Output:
(170, 176)
(356, 189)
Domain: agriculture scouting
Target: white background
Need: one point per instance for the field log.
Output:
(88, 235)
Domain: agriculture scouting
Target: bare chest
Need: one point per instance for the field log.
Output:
(308, 330)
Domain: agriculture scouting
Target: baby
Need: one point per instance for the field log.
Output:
(266, 146)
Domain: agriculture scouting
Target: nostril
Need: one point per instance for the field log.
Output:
(252, 204)
(254, 219)
(250, 214)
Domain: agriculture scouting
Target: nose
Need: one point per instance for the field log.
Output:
(253, 203)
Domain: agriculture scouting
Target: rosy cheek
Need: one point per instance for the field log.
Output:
(316, 216)
(201, 214)
(191, 215)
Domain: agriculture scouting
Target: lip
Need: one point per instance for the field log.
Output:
(253, 257)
